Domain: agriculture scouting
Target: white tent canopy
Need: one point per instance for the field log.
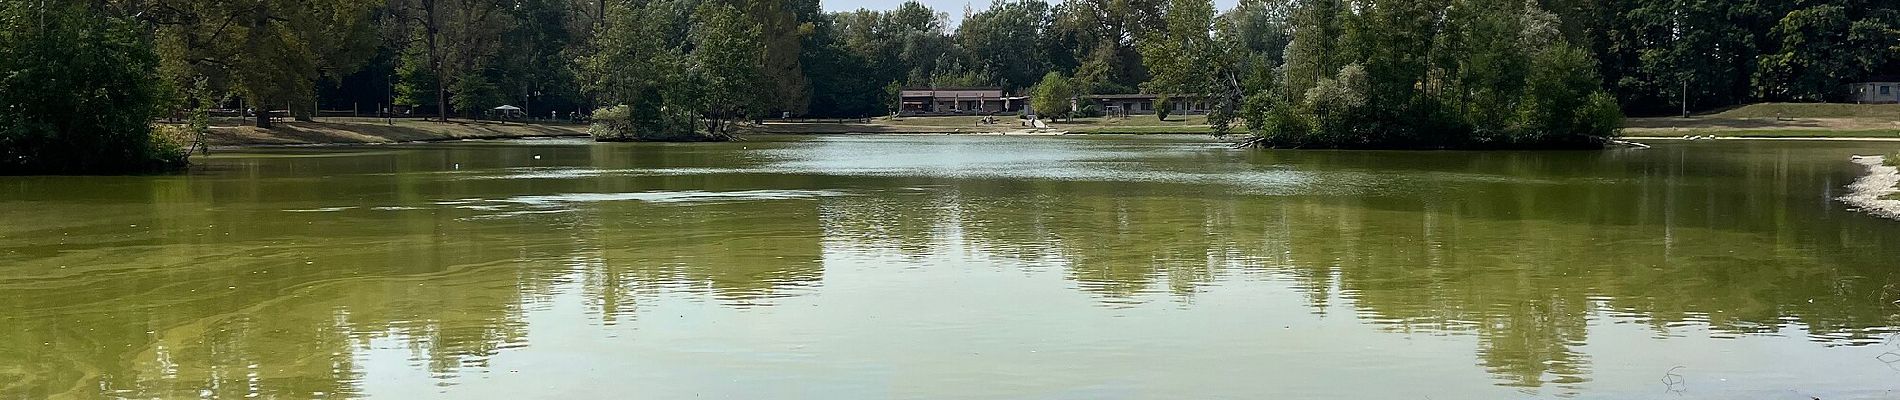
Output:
(507, 108)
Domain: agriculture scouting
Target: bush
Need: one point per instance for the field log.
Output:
(173, 144)
(646, 123)
(1089, 110)
(612, 124)
(1163, 107)
(1053, 97)
(77, 94)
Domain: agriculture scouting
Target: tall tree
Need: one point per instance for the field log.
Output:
(1053, 98)
(451, 44)
(1492, 73)
(76, 94)
(637, 66)
(783, 26)
(724, 67)
(272, 52)
(1183, 56)
(1007, 40)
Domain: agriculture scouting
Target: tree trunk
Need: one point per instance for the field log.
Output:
(435, 61)
(305, 115)
(441, 100)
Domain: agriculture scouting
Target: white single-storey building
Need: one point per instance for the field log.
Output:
(1144, 104)
(1883, 91)
(950, 101)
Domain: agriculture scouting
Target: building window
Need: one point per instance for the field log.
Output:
(1886, 90)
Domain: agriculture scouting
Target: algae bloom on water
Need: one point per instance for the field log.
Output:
(924, 266)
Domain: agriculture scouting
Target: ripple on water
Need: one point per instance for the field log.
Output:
(557, 200)
(559, 203)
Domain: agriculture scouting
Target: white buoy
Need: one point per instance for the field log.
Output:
(537, 156)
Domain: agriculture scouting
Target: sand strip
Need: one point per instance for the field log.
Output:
(1867, 192)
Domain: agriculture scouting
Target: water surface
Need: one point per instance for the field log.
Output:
(953, 267)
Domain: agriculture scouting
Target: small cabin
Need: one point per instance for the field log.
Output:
(1886, 91)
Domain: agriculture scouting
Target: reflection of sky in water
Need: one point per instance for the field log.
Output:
(1148, 161)
(957, 267)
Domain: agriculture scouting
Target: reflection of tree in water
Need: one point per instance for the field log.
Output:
(208, 298)
(1520, 251)
(734, 252)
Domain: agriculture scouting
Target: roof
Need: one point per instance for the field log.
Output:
(953, 92)
(1139, 96)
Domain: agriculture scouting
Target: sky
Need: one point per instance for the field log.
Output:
(954, 7)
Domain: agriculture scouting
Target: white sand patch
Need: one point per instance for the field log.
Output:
(1867, 192)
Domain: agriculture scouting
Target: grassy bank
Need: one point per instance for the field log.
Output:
(1183, 124)
(1768, 133)
(1853, 121)
(1778, 120)
(353, 130)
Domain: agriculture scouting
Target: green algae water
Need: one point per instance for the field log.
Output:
(933, 267)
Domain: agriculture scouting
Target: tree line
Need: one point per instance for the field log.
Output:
(1296, 73)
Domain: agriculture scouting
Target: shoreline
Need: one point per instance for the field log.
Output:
(347, 131)
(1778, 138)
(1868, 194)
(370, 131)
(373, 131)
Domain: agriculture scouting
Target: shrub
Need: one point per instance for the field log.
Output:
(77, 94)
(1163, 107)
(612, 124)
(1053, 97)
(173, 144)
(1089, 110)
(647, 122)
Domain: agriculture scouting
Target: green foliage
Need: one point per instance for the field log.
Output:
(1163, 107)
(1088, 109)
(271, 52)
(674, 91)
(724, 67)
(474, 94)
(415, 81)
(1053, 97)
(783, 26)
(613, 124)
(1182, 56)
(1498, 74)
(1436, 73)
(76, 92)
(1007, 40)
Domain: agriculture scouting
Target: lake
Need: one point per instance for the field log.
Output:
(953, 267)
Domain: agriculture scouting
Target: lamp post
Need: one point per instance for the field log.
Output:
(388, 113)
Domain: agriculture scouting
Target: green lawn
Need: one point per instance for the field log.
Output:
(1776, 133)
(955, 120)
(1135, 124)
(1811, 110)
